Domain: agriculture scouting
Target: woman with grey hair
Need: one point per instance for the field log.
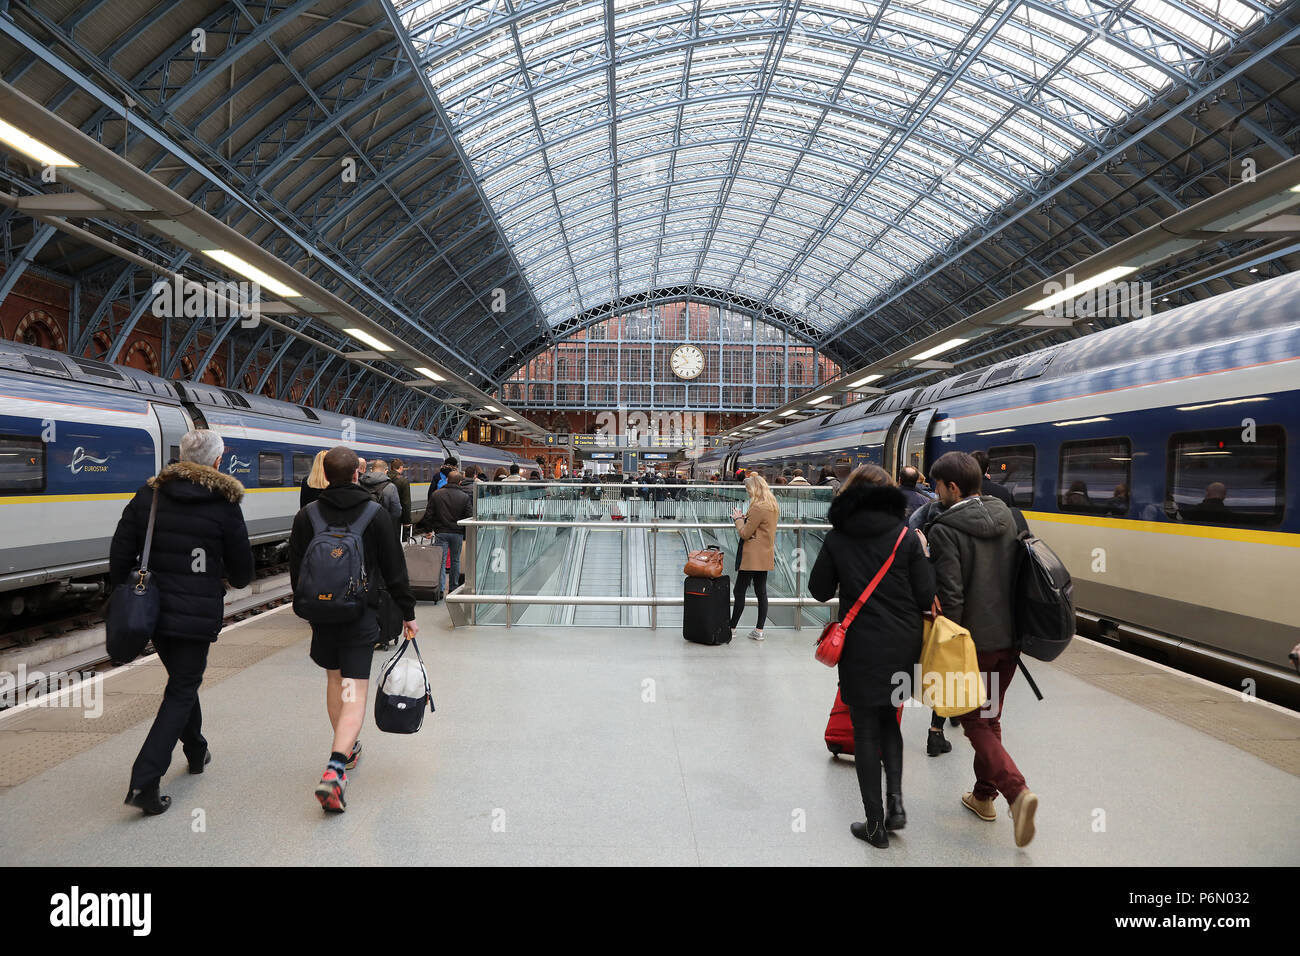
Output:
(199, 538)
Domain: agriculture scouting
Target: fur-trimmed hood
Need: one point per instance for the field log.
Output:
(864, 510)
(172, 480)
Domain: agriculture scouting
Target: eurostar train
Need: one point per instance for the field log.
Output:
(78, 437)
(1153, 457)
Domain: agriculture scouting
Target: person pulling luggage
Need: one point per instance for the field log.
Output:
(884, 640)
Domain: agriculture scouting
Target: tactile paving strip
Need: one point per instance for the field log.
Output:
(119, 712)
(1252, 727)
(25, 755)
(42, 737)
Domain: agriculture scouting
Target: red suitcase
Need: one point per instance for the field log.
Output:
(839, 729)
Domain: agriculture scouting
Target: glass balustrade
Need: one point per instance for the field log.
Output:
(612, 554)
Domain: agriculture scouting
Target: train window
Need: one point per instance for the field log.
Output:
(1217, 477)
(1012, 466)
(302, 466)
(22, 465)
(1095, 476)
(270, 469)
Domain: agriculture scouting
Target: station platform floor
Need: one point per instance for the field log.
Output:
(626, 746)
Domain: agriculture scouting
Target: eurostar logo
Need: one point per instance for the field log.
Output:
(236, 464)
(80, 459)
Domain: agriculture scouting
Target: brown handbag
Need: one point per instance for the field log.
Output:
(704, 564)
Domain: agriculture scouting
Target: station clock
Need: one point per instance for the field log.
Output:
(687, 361)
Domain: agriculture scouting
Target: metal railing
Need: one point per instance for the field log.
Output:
(528, 529)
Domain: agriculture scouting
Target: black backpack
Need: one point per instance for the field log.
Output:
(332, 583)
(1044, 596)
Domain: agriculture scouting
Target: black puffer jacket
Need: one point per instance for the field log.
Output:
(343, 504)
(198, 511)
(976, 551)
(884, 640)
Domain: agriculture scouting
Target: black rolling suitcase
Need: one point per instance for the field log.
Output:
(706, 610)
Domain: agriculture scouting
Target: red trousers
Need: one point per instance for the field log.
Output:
(995, 771)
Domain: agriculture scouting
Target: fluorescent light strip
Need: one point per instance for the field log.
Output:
(1079, 288)
(866, 381)
(790, 413)
(1082, 421)
(250, 271)
(1235, 401)
(819, 399)
(766, 421)
(32, 147)
(369, 339)
(430, 374)
(939, 349)
(491, 408)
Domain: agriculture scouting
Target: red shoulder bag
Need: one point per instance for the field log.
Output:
(831, 644)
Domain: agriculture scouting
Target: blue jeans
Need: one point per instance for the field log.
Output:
(452, 543)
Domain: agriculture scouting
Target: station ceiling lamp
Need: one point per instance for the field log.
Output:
(940, 349)
(430, 374)
(1071, 292)
(250, 271)
(32, 147)
(377, 344)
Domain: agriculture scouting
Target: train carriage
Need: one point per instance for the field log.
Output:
(1153, 457)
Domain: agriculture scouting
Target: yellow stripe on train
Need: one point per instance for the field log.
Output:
(1279, 538)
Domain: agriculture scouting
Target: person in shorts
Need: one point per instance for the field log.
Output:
(345, 650)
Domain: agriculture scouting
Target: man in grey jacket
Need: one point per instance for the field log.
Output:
(382, 489)
(976, 551)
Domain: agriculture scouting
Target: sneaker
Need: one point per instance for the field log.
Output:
(330, 791)
(937, 744)
(1022, 812)
(981, 808)
(355, 757)
(873, 833)
(755, 635)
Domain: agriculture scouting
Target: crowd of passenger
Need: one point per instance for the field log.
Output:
(945, 545)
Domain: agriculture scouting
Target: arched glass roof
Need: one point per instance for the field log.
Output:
(808, 153)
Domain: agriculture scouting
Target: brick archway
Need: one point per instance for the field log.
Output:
(40, 329)
(141, 355)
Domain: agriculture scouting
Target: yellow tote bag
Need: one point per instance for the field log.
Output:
(951, 681)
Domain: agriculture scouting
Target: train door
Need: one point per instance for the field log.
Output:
(174, 423)
(914, 438)
(889, 460)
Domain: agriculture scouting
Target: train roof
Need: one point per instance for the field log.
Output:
(1233, 315)
(33, 360)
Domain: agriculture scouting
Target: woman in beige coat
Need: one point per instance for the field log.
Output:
(757, 530)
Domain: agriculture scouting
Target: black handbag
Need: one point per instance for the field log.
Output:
(133, 609)
(395, 714)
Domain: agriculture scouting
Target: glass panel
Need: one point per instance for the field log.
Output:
(1095, 476)
(302, 467)
(1214, 477)
(1012, 466)
(615, 557)
(536, 103)
(22, 465)
(270, 469)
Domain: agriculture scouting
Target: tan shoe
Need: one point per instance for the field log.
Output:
(1022, 812)
(981, 808)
